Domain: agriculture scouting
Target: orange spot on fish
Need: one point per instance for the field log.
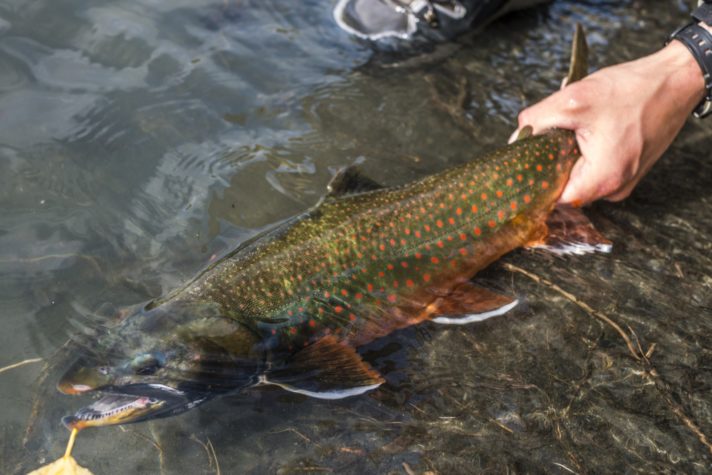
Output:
(551, 156)
(500, 215)
(293, 331)
(392, 242)
(499, 193)
(344, 292)
(392, 298)
(389, 267)
(527, 199)
(545, 184)
(381, 274)
(418, 255)
(352, 317)
(520, 178)
(463, 237)
(312, 323)
(427, 228)
(510, 182)
(478, 231)
(395, 284)
(441, 244)
(358, 295)
(426, 277)
(407, 231)
(382, 247)
(513, 205)
(326, 294)
(474, 208)
(409, 283)
(369, 287)
(484, 196)
(404, 265)
(463, 251)
(439, 223)
(451, 220)
(539, 168)
(403, 242)
(491, 223)
(417, 234)
(434, 260)
(458, 211)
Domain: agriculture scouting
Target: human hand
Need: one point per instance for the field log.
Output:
(624, 117)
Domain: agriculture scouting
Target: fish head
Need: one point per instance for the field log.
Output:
(160, 362)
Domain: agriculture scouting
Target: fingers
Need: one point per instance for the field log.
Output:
(605, 170)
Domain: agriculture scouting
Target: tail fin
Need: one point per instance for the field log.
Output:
(578, 68)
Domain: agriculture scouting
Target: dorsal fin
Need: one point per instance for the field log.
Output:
(578, 68)
(350, 181)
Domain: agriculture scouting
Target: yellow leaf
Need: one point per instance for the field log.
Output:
(64, 466)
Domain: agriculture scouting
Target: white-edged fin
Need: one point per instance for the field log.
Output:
(468, 303)
(576, 248)
(326, 369)
(475, 317)
(331, 394)
(571, 232)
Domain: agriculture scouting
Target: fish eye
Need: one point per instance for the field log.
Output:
(147, 364)
(103, 370)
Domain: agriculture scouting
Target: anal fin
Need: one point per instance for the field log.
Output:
(469, 303)
(326, 369)
(571, 232)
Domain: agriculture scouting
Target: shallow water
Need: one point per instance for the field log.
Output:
(140, 139)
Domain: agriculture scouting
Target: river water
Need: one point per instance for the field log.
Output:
(139, 139)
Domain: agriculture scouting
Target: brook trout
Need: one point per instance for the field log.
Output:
(291, 306)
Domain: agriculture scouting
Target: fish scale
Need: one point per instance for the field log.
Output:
(357, 259)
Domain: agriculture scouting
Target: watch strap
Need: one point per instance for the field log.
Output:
(699, 41)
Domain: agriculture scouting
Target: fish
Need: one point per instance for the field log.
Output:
(292, 306)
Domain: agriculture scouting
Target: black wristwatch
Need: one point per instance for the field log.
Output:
(699, 41)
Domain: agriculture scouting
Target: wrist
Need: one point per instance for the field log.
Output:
(683, 72)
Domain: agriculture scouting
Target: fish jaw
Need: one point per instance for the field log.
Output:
(80, 379)
(134, 403)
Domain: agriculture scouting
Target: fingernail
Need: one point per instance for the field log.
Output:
(513, 137)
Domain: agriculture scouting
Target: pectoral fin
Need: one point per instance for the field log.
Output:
(469, 303)
(326, 369)
(571, 232)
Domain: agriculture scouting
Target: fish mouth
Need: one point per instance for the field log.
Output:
(131, 404)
